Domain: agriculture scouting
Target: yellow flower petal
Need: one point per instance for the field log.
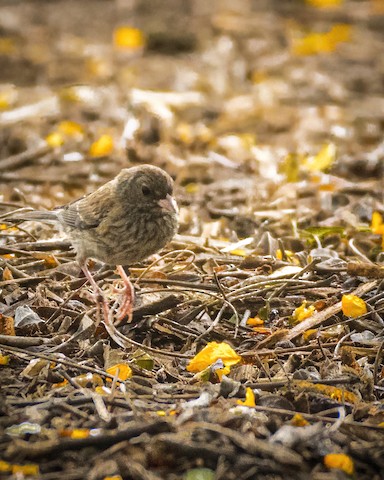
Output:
(70, 129)
(5, 466)
(210, 354)
(184, 133)
(4, 359)
(255, 322)
(192, 188)
(7, 98)
(310, 334)
(61, 384)
(80, 433)
(103, 391)
(288, 253)
(316, 43)
(303, 312)
(54, 139)
(299, 421)
(249, 399)
(26, 470)
(238, 252)
(324, 3)
(323, 160)
(124, 371)
(377, 225)
(222, 371)
(102, 146)
(99, 67)
(338, 394)
(128, 38)
(353, 306)
(339, 461)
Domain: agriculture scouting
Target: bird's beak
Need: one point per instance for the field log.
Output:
(168, 204)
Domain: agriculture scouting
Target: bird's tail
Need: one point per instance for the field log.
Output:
(26, 215)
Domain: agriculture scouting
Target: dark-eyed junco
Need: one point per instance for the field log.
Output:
(122, 222)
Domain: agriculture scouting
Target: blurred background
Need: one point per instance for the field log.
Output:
(264, 111)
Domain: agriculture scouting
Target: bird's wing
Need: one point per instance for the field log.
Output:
(75, 217)
(87, 212)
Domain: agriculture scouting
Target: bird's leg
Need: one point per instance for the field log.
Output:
(99, 296)
(128, 293)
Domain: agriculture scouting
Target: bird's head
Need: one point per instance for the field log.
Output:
(146, 186)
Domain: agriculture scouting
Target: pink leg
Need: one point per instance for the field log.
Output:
(125, 308)
(98, 292)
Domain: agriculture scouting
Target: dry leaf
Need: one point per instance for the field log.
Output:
(7, 325)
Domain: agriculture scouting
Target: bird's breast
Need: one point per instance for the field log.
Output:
(124, 241)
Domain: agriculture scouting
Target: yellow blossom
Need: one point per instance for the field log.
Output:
(210, 354)
(102, 146)
(353, 306)
(249, 399)
(340, 461)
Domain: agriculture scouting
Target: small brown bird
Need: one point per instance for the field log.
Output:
(122, 222)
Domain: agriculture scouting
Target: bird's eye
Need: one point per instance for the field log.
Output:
(145, 190)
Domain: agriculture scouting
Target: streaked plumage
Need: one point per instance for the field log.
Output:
(122, 222)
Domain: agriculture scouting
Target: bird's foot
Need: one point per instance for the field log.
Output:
(98, 296)
(123, 306)
(118, 311)
(102, 307)
(127, 294)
